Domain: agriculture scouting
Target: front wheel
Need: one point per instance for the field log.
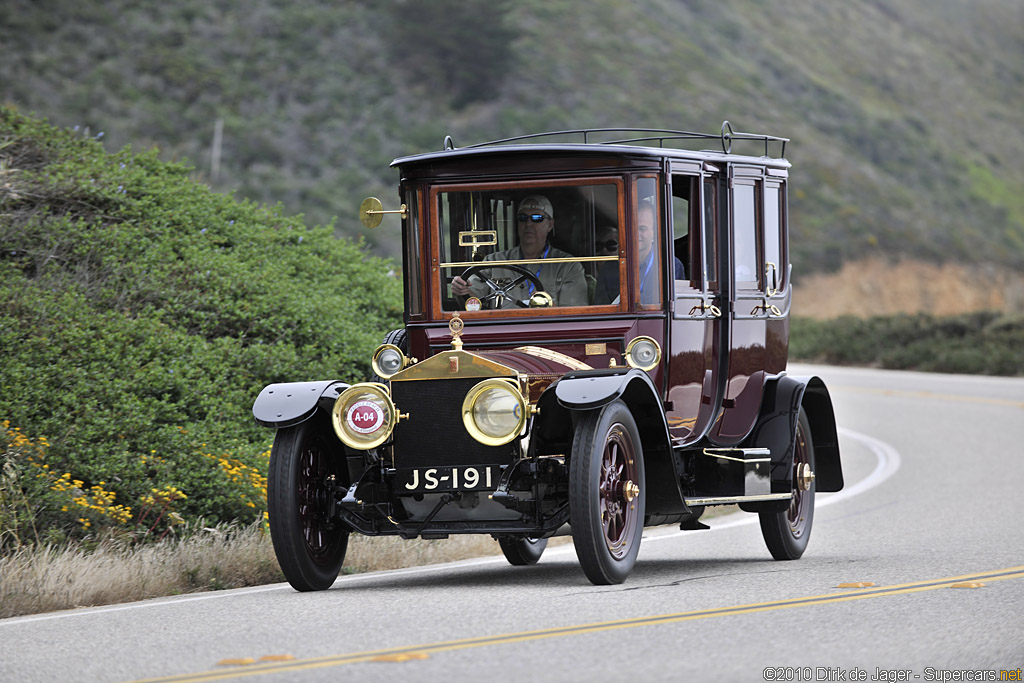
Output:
(786, 533)
(310, 545)
(607, 492)
(521, 552)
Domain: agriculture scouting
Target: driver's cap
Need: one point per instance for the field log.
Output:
(537, 202)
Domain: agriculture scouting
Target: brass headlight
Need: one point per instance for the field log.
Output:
(364, 416)
(494, 411)
(388, 360)
(643, 353)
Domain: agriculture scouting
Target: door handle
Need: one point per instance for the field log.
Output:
(708, 309)
(771, 309)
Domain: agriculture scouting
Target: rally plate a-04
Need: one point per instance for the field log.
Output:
(446, 479)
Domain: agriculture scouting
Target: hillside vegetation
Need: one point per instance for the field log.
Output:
(140, 315)
(981, 343)
(907, 118)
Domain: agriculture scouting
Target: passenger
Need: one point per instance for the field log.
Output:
(606, 291)
(646, 233)
(564, 281)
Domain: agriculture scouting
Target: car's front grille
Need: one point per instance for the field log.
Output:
(434, 435)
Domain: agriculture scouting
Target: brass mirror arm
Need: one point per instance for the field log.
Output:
(403, 212)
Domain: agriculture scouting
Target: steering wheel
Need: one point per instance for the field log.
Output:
(500, 293)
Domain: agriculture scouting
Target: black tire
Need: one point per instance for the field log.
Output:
(606, 515)
(310, 547)
(521, 552)
(786, 533)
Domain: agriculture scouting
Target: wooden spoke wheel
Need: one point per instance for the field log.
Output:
(607, 493)
(786, 533)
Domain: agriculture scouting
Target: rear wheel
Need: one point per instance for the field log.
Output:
(786, 533)
(521, 552)
(310, 545)
(607, 493)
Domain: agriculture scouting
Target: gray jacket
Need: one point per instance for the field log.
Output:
(564, 281)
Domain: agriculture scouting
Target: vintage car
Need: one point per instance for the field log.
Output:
(595, 341)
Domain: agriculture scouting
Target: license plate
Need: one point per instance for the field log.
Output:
(429, 479)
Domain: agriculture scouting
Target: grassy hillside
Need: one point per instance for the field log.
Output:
(140, 314)
(906, 118)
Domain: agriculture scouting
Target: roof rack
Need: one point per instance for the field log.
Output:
(651, 135)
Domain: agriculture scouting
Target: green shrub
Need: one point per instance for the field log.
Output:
(141, 313)
(983, 343)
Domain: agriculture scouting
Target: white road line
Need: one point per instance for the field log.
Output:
(888, 462)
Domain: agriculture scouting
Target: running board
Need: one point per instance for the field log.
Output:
(728, 500)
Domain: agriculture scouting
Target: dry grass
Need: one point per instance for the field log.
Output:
(43, 579)
(875, 286)
(37, 579)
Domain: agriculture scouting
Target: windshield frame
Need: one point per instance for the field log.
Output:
(448, 269)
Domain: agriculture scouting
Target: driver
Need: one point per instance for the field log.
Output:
(564, 281)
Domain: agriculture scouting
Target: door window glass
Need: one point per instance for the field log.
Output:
(710, 231)
(647, 250)
(773, 235)
(745, 236)
(684, 199)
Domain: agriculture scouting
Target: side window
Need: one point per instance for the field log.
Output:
(413, 265)
(684, 202)
(647, 252)
(710, 230)
(775, 265)
(745, 231)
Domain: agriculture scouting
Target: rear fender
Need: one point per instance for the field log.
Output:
(582, 391)
(776, 430)
(288, 404)
(818, 404)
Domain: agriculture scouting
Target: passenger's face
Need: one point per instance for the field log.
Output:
(608, 243)
(645, 232)
(533, 235)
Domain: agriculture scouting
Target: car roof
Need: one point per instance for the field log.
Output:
(637, 143)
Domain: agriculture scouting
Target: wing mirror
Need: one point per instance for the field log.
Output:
(371, 212)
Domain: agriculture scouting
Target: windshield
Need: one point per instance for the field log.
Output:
(508, 247)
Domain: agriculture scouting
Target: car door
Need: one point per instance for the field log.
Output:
(695, 333)
(747, 292)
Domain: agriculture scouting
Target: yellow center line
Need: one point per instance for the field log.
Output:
(418, 651)
(933, 395)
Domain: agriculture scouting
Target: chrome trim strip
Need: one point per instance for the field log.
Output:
(720, 454)
(726, 500)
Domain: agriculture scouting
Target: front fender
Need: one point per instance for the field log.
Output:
(588, 389)
(592, 390)
(289, 403)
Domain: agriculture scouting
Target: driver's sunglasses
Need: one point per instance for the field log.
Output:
(609, 245)
(532, 217)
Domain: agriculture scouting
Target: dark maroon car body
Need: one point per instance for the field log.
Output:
(660, 393)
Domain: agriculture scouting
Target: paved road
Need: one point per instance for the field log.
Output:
(934, 467)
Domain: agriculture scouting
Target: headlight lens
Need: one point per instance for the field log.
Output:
(363, 416)
(643, 353)
(388, 360)
(494, 412)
